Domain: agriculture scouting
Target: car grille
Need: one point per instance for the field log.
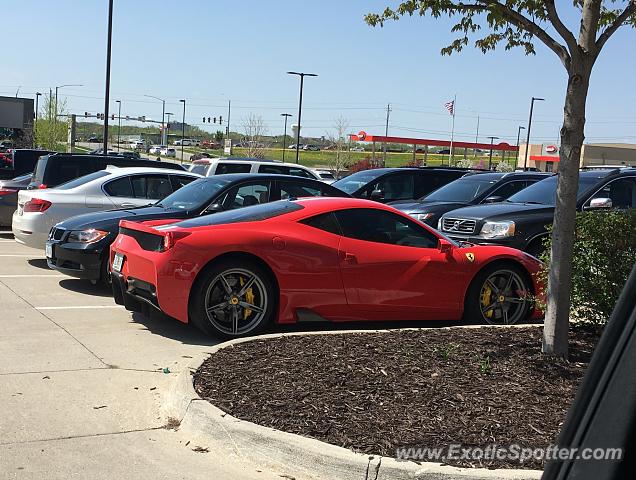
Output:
(458, 225)
(56, 233)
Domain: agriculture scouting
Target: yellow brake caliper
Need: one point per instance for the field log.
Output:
(249, 298)
(485, 300)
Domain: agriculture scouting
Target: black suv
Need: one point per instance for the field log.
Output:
(55, 169)
(80, 245)
(21, 161)
(390, 184)
(471, 189)
(521, 221)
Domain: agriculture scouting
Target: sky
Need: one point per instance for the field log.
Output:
(209, 52)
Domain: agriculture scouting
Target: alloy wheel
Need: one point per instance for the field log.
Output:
(504, 298)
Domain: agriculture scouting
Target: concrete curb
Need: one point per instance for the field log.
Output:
(297, 456)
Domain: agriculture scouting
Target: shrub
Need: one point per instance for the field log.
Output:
(604, 254)
(364, 164)
(504, 167)
(464, 163)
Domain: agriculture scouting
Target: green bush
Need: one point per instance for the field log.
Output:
(604, 254)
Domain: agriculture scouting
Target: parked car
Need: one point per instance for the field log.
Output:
(39, 210)
(188, 142)
(277, 263)
(293, 146)
(168, 152)
(94, 139)
(54, 169)
(156, 149)
(210, 144)
(471, 189)
(5, 145)
(521, 221)
(77, 255)
(9, 197)
(444, 152)
(313, 148)
(116, 153)
(137, 145)
(20, 161)
(222, 165)
(391, 184)
(325, 175)
(357, 149)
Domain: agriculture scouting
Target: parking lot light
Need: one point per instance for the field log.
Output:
(302, 76)
(525, 157)
(182, 128)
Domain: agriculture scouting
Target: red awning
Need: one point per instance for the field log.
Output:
(544, 158)
(363, 137)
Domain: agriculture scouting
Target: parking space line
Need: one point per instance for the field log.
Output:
(34, 275)
(20, 255)
(78, 307)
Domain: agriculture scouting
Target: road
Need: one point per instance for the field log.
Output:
(82, 382)
(186, 156)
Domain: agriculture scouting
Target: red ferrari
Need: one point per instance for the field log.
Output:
(337, 259)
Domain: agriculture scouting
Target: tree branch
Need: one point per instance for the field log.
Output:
(616, 24)
(521, 21)
(561, 29)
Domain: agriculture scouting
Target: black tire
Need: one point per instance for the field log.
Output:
(231, 318)
(104, 275)
(491, 299)
(536, 248)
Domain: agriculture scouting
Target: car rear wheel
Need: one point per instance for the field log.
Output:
(235, 299)
(499, 295)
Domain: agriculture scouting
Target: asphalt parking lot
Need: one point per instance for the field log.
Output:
(82, 381)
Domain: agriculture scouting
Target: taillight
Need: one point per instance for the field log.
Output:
(41, 186)
(170, 238)
(6, 191)
(37, 205)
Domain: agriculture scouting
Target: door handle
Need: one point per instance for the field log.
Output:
(350, 258)
(127, 205)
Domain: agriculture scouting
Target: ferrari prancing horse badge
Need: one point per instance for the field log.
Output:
(470, 257)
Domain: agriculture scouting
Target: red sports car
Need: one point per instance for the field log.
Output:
(335, 259)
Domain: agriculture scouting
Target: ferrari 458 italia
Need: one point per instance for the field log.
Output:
(334, 259)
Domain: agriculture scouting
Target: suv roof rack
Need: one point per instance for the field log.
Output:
(607, 167)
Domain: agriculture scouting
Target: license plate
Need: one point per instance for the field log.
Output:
(118, 261)
(20, 210)
(48, 250)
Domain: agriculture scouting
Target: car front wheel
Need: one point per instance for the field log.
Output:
(499, 295)
(235, 299)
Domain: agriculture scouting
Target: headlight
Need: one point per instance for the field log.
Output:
(439, 224)
(497, 229)
(86, 236)
(422, 217)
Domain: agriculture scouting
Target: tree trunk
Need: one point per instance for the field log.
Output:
(555, 333)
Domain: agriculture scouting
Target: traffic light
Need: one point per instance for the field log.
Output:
(214, 120)
(203, 119)
(112, 117)
(220, 120)
(86, 114)
(208, 119)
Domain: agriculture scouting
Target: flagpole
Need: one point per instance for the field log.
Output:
(450, 153)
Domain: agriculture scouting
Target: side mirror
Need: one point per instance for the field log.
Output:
(494, 199)
(599, 204)
(213, 208)
(445, 246)
(377, 195)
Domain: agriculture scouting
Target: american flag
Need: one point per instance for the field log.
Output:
(450, 106)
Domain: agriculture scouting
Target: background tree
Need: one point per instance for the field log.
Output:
(51, 132)
(255, 131)
(218, 136)
(337, 137)
(519, 23)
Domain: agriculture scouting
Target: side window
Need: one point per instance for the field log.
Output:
(119, 188)
(158, 187)
(299, 172)
(380, 226)
(298, 190)
(223, 168)
(426, 182)
(276, 169)
(509, 189)
(395, 187)
(324, 221)
(622, 192)
(246, 195)
(139, 186)
(200, 169)
(180, 181)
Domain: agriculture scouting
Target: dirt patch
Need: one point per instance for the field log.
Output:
(377, 392)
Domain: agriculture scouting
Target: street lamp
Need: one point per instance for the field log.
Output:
(35, 122)
(286, 115)
(119, 124)
(302, 76)
(109, 43)
(56, 89)
(525, 158)
(518, 136)
(182, 128)
(167, 126)
(492, 139)
(163, 116)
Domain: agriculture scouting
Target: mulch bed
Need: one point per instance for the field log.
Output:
(375, 392)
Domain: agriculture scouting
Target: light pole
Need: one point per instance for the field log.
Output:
(182, 128)
(163, 117)
(518, 136)
(107, 93)
(56, 89)
(492, 139)
(286, 115)
(302, 76)
(35, 122)
(525, 158)
(118, 102)
(168, 126)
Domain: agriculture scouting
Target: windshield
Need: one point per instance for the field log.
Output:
(195, 195)
(82, 180)
(544, 192)
(21, 178)
(356, 181)
(461, 190)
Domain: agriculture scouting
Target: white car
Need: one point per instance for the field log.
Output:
(325, 175)
(188, 142)
(168, 152)
(221, 166)
(137, 145)
(39, 210)
(156, 149)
